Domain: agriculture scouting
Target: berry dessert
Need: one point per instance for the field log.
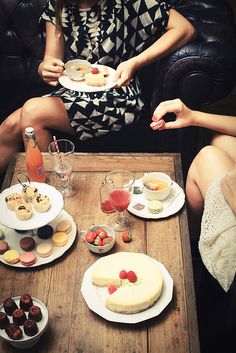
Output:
(9, 306)
(26, 302)
(30, 327)
(14, 331)
(35, 313)
(4, 321)
(134, 281)
(19, 316)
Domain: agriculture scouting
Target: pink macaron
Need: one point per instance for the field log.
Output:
(27, 258)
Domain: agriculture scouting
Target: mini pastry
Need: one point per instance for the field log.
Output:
(27, 243)
(4, 321)
(9, 306)
(44, 249)
(3, 246)
(45, 232)
(12, 200)
(18, 317)
(28, 258)
(41, 203)
(23, 211)
(60, 238)
(96, 80)
(30, 327)
(26, 302)
(104, 70)
(29, 193)
(11, 256)
(64, 226)
(155, 206)
(14, 331)
(35, 313)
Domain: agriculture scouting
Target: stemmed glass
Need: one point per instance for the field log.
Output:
(62, 155)
(120, 184)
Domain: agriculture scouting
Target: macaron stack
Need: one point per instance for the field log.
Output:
(30, 248)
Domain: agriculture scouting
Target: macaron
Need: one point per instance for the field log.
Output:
(3, 246)
(155, 206)
(28, 258)
(64, 226)
(60, 238)
(11, 256)
(44, 249)
(27, 243)
(45, 232)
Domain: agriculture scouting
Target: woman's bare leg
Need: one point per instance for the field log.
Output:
(209, 164)
(226, 143)
(10, 138)
(45, 114)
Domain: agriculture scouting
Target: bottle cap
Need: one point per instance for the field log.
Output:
(29, 130)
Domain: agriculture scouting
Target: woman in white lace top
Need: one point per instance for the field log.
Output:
(210, 186)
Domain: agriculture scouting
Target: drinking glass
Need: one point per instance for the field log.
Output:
(120, 184)
(62, 155)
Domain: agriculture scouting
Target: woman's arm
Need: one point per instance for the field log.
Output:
(179, 32)
(51, 67)
(187, 117)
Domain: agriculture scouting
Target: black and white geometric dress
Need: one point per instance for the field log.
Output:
(110, 32)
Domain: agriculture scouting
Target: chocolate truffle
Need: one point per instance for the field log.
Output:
(30, 327)
(35, 313)
(45, 232)
(27, 243)
(9, 306)
(26, 302)
(14, 331)
(19, 316)
(4, 321)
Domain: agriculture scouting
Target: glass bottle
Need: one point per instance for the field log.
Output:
(34, 159)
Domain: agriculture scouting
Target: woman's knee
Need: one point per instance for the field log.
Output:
(11, 125)
(30, 113)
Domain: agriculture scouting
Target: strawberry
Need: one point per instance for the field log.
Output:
(107, 240)
(101, 233)
(123, 274)
(126, 237)
(132, 277)
(111, 289)
(97, 241)
(90, 236)
(95, 71)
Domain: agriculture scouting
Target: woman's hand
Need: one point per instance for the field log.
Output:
(184, 115)
(50, 70)
(125, 72)
(228, 188)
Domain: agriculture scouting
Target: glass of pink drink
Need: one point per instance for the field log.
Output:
(120, 184)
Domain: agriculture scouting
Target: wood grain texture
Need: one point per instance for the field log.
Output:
(73, 328)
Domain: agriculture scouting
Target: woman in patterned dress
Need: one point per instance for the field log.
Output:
(123, 34)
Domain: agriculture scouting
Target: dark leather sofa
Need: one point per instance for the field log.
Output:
(200, 73)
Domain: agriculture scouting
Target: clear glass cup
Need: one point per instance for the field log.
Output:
(62, 156)
(105, 203)
(120, 184)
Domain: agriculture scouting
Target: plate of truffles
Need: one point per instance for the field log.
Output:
(30, 206)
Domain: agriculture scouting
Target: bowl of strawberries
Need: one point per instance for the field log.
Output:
(100, 238)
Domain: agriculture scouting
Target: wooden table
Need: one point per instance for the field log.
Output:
(73, 328)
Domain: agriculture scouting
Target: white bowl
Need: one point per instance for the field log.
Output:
(104, 248)
(76, 69)
(27, 341)
(153, 178)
